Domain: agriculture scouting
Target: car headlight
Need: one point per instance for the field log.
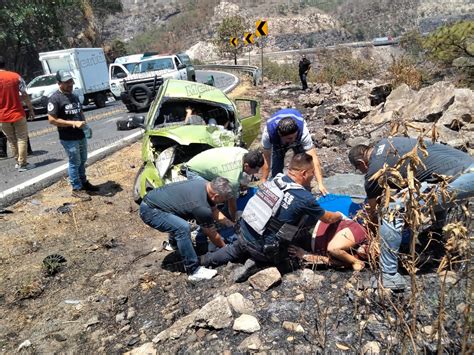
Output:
(164, 160)
(35, 95)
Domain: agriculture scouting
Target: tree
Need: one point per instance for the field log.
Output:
(451, 42)
(234, 26)
(412, 43)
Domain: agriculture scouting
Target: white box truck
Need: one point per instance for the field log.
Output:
(88, 67)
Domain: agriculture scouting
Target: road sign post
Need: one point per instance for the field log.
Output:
(261, 31)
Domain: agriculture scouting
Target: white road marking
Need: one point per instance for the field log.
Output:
(63, 167)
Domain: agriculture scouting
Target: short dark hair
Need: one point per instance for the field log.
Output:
(2, 62)
(357, 153)
(254, 159)
(301, 161)
(287, 126)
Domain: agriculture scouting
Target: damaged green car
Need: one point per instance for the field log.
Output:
(169, 142)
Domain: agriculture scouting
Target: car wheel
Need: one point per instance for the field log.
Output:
(136, 186)
(100, 100)
(135, 90)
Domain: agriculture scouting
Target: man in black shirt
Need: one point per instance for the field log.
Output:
(65, 112)
(441, 160)
(304, 67)
(169, 208)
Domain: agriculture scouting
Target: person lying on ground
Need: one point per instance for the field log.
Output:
(332, 244)
(170, 207)
(273, 216)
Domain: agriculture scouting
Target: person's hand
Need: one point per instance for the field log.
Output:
(31, 116)
(189, 111)
(79, 124)
(323, 190)
(343, 216)
(295, 251)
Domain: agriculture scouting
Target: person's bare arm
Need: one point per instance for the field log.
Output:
(221, 218)
(214, 236)
(26, 100)
(317, 170)
(59, 122)
(331, 217)
(233, 209)
(266, 164)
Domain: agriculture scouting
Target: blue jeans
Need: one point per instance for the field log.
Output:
(227, 233)
(192, 175)
(391, 232)
(178, 229)
(76, 151)
(278, 156)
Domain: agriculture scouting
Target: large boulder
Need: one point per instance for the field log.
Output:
(215, 314)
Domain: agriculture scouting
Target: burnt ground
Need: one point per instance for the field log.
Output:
(117, 290)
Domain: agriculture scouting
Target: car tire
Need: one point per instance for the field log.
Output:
(136, 186)
(134, 101)
(193, 78)
(100, 100)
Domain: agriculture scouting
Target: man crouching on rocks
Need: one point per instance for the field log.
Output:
(169, 208)
(280, 209)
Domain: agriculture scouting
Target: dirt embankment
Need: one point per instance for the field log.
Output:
(118, 291)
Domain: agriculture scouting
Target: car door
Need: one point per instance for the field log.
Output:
(248, 114)
(191, 73)
(181, 68)
(117, 73)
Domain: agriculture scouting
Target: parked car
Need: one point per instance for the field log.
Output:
(40, 89)
(136, 79)
(168, 142)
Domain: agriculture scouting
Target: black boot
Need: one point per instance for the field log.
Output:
(30, 151)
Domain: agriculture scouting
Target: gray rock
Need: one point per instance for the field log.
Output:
(252, 342)
(177, 329)
(131, 313)
(241, 305)
(26, 344)
(215, 314)
(352, 142)
(371, 347)
(347, 184)
(246, 323)
(310, 280)
(145, 349)
(293, 327)
(265, 279)
(120, 317)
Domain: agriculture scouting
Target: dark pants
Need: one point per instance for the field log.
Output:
(178, 229)
(304, 83)
(237, 252)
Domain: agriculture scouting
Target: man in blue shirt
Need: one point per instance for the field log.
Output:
(297, 211)
(284, 130)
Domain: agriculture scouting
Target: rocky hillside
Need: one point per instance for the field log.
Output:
(293, 25)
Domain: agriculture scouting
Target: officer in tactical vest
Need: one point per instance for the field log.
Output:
(280, 210)
(284, 130)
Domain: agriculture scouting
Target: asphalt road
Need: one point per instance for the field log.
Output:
(49, 155)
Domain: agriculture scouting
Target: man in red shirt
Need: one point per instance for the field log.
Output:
(12, 114)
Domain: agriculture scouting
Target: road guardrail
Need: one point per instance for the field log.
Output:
(254, 71)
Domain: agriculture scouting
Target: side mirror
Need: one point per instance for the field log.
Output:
(138, 121)
(181, 66)
(121, 75)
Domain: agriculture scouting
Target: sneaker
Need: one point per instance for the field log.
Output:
(394, 282)
(87, 186)
(202, 273)
(242, 273)
(25, 167)
(168, 246)
(81, 194)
